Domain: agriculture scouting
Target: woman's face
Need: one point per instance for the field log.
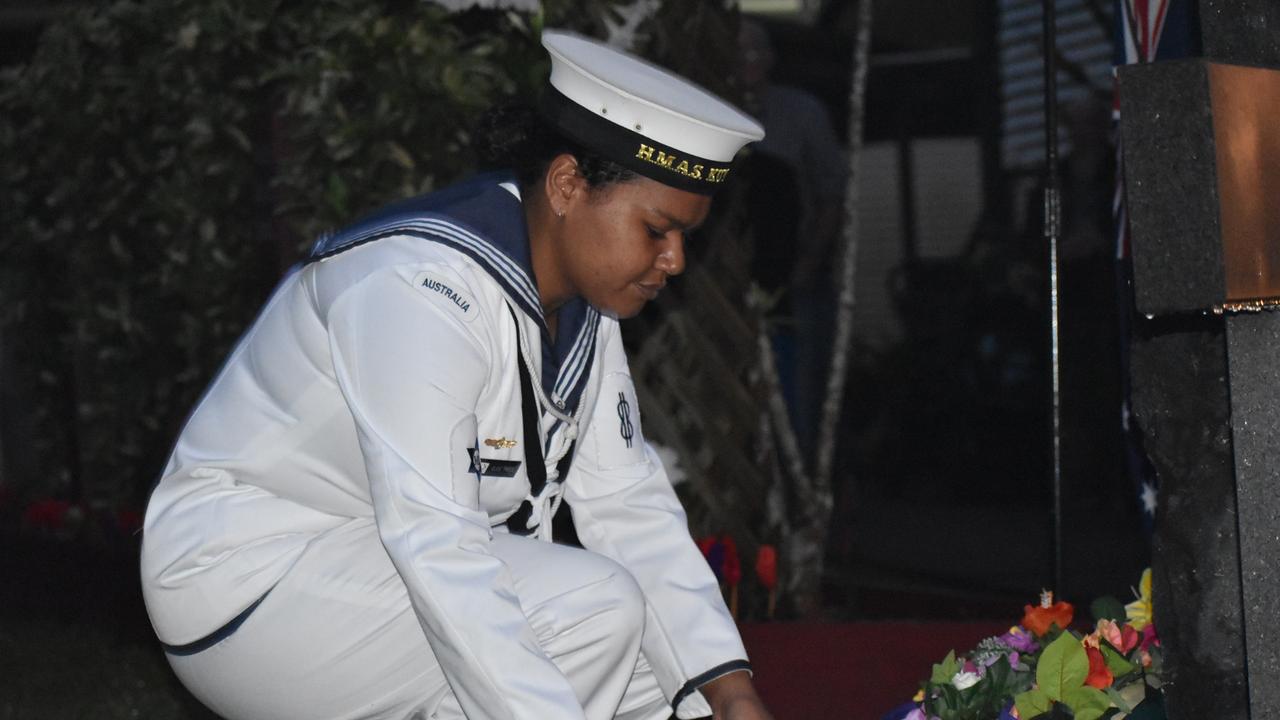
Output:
(620, 242)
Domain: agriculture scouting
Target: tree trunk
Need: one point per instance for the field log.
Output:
(809, 537)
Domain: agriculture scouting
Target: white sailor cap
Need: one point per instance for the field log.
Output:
(641, 116)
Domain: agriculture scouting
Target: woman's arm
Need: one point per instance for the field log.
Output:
(733, 697)
(624, 507)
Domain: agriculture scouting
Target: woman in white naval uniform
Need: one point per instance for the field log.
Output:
(354, 522)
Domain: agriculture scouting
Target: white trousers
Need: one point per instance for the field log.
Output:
(337, 638)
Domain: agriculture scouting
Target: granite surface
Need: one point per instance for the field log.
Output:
(1180, 401)
(1171, 192)
(1253, 348)
(1243, 32)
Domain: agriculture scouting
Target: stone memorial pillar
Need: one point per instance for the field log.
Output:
(1202, 181)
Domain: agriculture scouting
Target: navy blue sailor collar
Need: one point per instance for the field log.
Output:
(484, 219)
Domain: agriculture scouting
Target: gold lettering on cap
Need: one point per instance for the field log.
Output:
(673, 163)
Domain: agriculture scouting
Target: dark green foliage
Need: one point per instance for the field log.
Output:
(165, 162)
(1107, 608)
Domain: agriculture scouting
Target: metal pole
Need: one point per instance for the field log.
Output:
(1052, 231)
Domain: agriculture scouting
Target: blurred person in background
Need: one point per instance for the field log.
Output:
(797, 179)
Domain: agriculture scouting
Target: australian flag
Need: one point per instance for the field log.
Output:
(1145, 31)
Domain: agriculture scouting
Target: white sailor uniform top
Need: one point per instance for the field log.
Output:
(383, 380)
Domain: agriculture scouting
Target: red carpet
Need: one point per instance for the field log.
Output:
(854, 671)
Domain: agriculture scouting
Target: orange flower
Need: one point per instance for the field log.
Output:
(1040, 618)
(1099, 676)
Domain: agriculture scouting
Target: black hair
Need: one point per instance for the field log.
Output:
(516, 137)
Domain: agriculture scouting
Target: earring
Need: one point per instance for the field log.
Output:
(560, 214)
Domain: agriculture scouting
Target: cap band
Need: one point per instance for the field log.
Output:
(631, 149)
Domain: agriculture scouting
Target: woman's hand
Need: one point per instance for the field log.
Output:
(733, 697)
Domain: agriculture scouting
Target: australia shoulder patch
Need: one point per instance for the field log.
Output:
(450, 294)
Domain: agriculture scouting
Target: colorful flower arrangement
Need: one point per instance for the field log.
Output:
(1042, 668)
(721, 553)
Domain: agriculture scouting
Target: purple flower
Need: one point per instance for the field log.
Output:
(916, 714)
(1018, 639)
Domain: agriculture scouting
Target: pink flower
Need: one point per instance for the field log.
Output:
(1123, 639)
(1129, 638)
(1149, 637)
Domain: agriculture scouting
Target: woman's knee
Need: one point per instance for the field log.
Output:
(628, 600)
(605, 606)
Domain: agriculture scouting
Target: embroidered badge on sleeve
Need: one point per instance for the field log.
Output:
(449, 294)
(626, 429)
(615, 437)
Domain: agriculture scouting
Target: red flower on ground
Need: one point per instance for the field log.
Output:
(767, 566)
(1040, 618)
(1099, 675)
(128, 521)
(713, 550)
(46, 514)
(732, 565)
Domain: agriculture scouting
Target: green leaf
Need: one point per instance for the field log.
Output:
(1107, 608)
(400, 156)
(947, 701)
(1063, 666)
(945, 670)
(1118, 699)
(1032, 703)
(1087, 703)
(1116, 662)
(337, 194)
